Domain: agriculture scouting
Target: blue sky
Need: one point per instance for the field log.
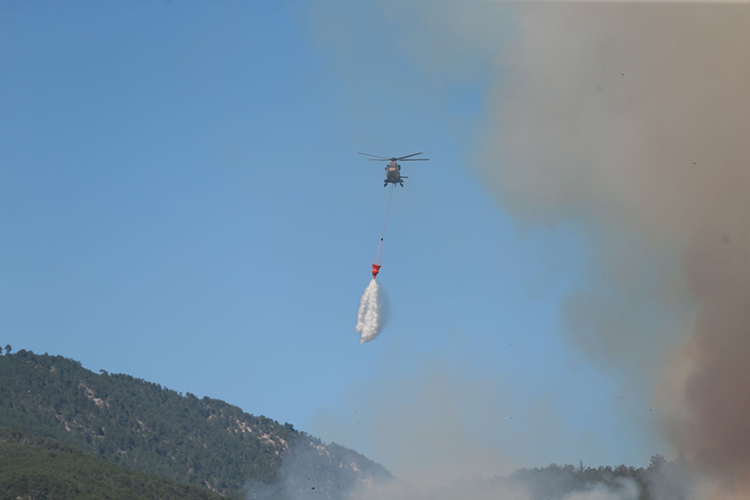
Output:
(182, 201)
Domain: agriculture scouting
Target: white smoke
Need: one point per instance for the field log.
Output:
(479, 488)
(372, 312)
(627, 489)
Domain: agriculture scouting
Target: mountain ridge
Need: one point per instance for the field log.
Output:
(146, 427)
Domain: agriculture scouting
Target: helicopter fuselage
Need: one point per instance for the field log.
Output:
(393, 174)
(393, 169)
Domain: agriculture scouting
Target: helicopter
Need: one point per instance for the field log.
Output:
(393, 169)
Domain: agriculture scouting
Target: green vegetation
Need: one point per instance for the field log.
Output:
(146, 427)
(42, 468)
(661, 480)
(79, 434)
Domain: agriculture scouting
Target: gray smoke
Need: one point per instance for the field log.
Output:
(633, 120)
(629, 121)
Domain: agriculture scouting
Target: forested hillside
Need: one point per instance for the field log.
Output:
(146, 427)
(661, 480)
(41, 468)
(98, 429)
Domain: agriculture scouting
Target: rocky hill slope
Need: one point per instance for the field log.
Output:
(145, 427)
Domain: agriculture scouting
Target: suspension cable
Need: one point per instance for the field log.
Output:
(378, 254)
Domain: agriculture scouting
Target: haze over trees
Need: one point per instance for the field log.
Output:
(67, 432)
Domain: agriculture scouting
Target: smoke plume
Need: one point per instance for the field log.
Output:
(626, 490)
(501, 488)
(633, 120)
(371, 315)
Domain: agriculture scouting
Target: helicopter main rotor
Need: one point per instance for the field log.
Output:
(402, 158)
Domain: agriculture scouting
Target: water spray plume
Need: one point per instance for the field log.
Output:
(372, 312)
